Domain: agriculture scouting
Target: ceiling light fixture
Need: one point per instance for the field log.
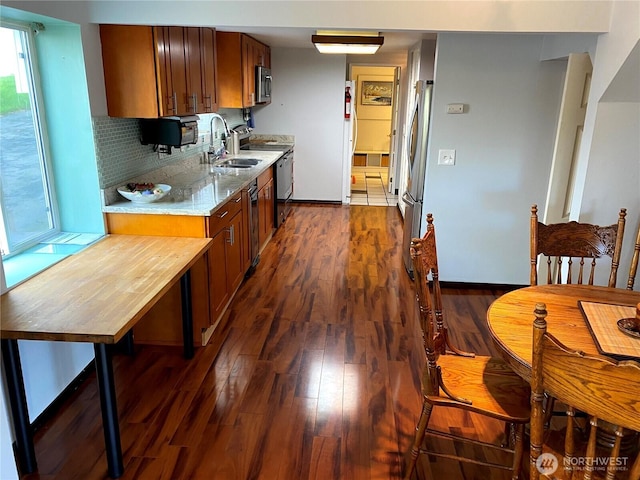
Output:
(347, 43)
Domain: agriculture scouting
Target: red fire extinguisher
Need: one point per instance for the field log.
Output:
(347, 103)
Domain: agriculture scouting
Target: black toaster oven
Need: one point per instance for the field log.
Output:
(170, 131)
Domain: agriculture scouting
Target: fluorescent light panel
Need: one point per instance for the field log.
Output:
(349, 44)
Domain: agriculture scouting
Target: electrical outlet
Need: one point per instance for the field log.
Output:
(455, 108)
(446, 157)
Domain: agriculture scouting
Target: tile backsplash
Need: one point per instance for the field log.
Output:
(120, 155)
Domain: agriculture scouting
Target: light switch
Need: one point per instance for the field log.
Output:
(446, 157)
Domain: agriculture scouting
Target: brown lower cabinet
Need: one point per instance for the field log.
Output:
(214, 278)
(225, 258)
(266, 206)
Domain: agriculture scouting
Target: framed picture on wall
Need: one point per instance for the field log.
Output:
(376, 93)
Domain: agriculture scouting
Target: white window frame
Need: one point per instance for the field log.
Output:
(38, 113)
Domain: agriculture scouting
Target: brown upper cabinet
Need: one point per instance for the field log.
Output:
(158, 71)
(238, 55)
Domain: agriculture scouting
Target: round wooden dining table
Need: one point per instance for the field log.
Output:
(510, 319)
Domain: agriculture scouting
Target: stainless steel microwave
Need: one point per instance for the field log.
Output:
(263, 84)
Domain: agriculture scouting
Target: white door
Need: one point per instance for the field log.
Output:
(568, 138)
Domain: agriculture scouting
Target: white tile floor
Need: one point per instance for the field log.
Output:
(370, 187)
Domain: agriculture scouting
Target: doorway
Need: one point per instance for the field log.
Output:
(568, 139)
(374, 106)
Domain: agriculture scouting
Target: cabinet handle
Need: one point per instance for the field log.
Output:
(224, 214)
(174, 97)
(170, 104)
(232, 236)
(194, 99)
(238, 200)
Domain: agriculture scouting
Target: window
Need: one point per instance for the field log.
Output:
(27, 213)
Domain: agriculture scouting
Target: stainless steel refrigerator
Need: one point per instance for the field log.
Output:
(418, 147)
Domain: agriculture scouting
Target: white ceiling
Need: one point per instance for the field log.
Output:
(290, 23)
(294, 37)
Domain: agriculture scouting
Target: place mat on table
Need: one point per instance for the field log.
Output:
(602, 320)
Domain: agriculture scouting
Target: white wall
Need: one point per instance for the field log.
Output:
(308, 94)
(560, 46)
(503, 149)
(609, 163)
(613, 177)
(8, 467)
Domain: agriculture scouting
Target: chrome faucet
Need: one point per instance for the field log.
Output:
(217, 153)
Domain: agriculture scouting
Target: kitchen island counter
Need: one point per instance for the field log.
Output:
(197, 189)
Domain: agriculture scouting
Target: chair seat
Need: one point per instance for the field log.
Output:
(488, 382)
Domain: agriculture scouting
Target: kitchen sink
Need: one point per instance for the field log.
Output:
(238, 163)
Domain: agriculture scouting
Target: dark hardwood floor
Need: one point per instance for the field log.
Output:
(314, 373)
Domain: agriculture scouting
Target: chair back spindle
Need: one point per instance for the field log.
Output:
(633, 270)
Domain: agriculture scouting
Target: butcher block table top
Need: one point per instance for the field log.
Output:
(98, 294)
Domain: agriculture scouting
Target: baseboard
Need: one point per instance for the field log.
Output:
(318, 202)
(51, 410)
(481, 286)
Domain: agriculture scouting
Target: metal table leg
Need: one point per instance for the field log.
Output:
(19, 411)
(126, 345)
(187, 315)
(104, 371)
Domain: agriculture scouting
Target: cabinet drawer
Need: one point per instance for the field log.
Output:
(220, 219)
(264, 178)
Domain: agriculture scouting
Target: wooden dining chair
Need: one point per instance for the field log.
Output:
(633, 270)
(570, 242)
(604, 389)
(456, 379)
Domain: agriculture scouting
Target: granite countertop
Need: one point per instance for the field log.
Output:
(272, 140)
(197, 188)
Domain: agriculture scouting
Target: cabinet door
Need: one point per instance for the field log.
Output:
(235, 271)
(266, 211)
(246, 239)
(262, 55)
(172, 70)
(128, 57)
(208, 55)
(249, 72)
(218, 291)
(267, 56)
(194, 70)
(270, 208)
